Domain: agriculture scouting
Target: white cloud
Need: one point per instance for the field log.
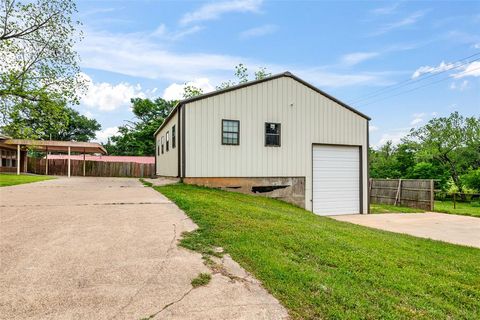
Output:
(470, 70)
(103, 135)
(164, 33)
(88, 114)
(417, 118)
(459, 86)
(416, 121)
(386, 10)
(428, 69)
(214, 10)
(104, 96)
(175, 90)
(139, 55)
(259, 31)
(407, 21)
(372, 128)
(358, 57)
(323, 78)
(476, 46)
(394, 135)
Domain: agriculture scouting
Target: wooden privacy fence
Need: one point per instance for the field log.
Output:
(418, 193)
(92, 168)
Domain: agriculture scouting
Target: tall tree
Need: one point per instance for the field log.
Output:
(136, 137)
(453, 141)
(38, 62)
(46, 120)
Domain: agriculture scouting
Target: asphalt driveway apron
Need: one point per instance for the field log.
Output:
(106, 248)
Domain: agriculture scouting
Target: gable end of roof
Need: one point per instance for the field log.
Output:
(251, 83)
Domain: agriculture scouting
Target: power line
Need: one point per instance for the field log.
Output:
(413, 89)
(407, 82)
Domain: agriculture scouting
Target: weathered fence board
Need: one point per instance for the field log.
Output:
(92, 168)
(416, 193)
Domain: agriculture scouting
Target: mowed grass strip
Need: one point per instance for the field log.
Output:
(322, 268)
(387, 208)
(8, 179)
(462, 208)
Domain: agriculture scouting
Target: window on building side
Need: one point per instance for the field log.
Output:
(174, 142)
(168, 140)
(162, 144)
(231, 132)
(272, 134)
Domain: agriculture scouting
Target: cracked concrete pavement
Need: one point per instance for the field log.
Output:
(106, 248)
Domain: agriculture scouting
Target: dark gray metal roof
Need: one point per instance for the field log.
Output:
(251, 83)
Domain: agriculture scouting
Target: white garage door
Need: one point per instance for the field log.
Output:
(336, 180)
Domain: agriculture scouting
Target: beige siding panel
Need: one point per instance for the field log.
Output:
(306, 118)
(167, 163)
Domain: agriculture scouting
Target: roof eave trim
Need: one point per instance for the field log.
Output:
(251, 83)
(170, 115)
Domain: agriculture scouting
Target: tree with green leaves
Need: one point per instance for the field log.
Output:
(38, 62)
(190, 91)
(47, 120)
(383, 162)
(453, 141)
(241, 73)
(472, 180)
(136, 137)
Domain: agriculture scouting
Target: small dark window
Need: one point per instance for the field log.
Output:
(162, 145)
(231, 132)
(158, 150)
(272, 134)
(168, 140)
(173, 138)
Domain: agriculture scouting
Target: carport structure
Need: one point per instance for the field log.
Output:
(53, 146)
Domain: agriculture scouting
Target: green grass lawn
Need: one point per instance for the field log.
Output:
(463, 208)
(322, 268)
(8, 179)
(386, 208)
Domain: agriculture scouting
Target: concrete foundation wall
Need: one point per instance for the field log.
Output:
(288, 189)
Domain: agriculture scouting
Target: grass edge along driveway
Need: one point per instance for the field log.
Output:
(322, 268)
(462, 208)
(10, 179)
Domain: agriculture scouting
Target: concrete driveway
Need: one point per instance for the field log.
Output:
(106, 248)
(438, 226)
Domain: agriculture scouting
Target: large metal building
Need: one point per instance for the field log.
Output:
(279, 136)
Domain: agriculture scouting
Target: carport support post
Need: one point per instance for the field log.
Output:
(18, 159)
(68, 161)
(84, 162)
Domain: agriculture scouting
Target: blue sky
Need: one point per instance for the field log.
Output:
(398, 62)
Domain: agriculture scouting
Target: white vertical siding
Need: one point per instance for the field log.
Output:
(313, 118)
(167, 163)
